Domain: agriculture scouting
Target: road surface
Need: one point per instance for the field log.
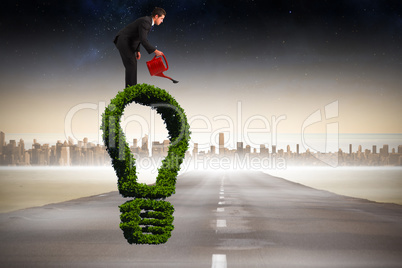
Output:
(222, 219)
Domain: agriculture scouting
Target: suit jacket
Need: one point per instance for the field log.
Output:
(137, 33)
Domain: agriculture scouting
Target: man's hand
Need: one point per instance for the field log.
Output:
(158, 53)
(138, 55)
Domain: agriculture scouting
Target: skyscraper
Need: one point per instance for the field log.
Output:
(2, 141)
(65, 155)
(11, 152)
(27, 158)
(144, 146)
(135, 149)
(240, 149)
(21, 149)
(263, 150)
(385, 150)
(166, 144)
(195, 150)
(70, 141)
(213, 149)
(221, 143)
(35, 153)
(59, 145)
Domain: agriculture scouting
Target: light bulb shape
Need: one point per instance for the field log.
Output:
(146, 219)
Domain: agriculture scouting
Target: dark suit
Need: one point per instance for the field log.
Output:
(128, 41)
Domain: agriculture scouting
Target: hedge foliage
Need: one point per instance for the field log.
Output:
(146, 221)
(123, 162)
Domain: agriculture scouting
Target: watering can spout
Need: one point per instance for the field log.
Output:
(156, 67)
(162, 75)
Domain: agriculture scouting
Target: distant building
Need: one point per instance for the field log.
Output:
(248, 149)
(157, 149)
(213, 149)
(240, 149)
(195, 149)
(384, 151)
(144, 146)
(59, 145)
(166, 144)
(27, 159)
(221, 143)
(65, 155)
(263, 150)
(2, 141)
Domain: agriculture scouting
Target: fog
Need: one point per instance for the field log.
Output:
(380, 184)
(37, 186)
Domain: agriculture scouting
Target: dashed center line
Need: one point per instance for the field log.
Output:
(219, 261)
(221, 223)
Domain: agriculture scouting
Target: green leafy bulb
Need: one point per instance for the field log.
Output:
(147, 219)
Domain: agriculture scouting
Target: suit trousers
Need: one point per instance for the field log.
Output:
(127, 53)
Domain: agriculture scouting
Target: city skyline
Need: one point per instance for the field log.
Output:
(86, 153)
(279, 139)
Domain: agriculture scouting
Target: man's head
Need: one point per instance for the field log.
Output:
(158, 14)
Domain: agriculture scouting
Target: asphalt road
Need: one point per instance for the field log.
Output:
(222, 219)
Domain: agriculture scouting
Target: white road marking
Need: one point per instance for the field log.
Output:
(219, 261)
(221, 223)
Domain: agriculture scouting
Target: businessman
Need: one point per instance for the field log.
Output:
(129, 39)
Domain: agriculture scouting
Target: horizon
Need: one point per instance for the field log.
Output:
(395, 139)
(325, 149)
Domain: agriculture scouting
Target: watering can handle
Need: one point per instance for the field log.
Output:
(167, 65)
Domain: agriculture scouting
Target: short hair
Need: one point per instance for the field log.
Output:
(158, 11)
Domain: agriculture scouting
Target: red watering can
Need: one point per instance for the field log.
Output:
(156, 67)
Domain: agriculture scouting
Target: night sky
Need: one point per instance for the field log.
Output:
(276, 58)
